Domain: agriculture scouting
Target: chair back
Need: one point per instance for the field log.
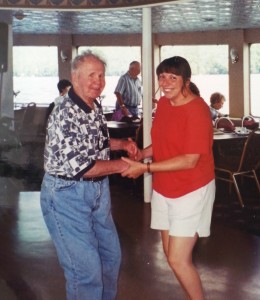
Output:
(249, 122)
(250, 159)
(225, 123)
(28, 116)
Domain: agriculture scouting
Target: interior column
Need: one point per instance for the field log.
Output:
(147, 91)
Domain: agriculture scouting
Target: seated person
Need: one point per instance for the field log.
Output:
(63, 86)
(216, 103)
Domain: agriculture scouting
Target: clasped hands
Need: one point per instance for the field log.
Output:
(135, 167)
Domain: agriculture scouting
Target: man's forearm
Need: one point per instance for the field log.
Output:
(119, 99)
(106, 167)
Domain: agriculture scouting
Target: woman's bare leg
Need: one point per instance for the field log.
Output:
(179, 254)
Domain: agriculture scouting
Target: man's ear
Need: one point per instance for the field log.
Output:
(74, 78)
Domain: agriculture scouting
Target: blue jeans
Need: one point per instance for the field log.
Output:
(78, 217)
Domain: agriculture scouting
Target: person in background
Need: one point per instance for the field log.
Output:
(182, 169)
(129, 91)
(217, 101)
(75, 195)
(63, 86)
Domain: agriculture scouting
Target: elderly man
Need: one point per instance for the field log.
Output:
(75, 196)
(129, 91)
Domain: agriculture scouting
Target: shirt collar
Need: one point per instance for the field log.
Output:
(77, 100)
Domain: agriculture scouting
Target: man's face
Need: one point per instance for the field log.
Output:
(89, 80)
(135, 70)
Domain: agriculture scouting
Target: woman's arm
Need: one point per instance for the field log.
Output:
(181, 162)
(146, 153)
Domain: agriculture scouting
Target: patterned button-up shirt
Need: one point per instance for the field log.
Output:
(76, 137)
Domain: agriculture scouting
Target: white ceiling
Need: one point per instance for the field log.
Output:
(183, 16)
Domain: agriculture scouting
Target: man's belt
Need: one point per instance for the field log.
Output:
(93, 179)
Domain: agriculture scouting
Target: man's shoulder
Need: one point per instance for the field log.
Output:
(124, 76)
(58, 100)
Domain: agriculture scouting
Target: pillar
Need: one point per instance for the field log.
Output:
(147, 74)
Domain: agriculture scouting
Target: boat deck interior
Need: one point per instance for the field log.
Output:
(228, 261)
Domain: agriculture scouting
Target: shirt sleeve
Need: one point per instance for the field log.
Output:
(120, 88)
(199, 130)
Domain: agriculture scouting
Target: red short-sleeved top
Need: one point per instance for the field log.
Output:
(177, 130)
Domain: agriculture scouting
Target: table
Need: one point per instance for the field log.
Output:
(122, 130)
(228, 136)
(228, 146)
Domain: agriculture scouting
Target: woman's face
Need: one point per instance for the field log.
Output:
(171, 85)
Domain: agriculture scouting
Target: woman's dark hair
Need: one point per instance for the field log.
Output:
(175, 65)
(194, 89)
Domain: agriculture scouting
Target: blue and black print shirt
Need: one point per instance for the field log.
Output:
(76, 137)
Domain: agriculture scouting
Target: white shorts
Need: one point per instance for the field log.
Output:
(184, 216)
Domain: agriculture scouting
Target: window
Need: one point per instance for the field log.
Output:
(254, 79)
(209, 66)
(118, 60)
(35, 71)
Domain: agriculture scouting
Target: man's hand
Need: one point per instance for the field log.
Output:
(138, 156)
(133, 152)
(131, 148)
(125, 111)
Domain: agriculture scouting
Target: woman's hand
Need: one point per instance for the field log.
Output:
(135, 168)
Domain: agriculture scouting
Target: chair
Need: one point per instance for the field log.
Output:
(28, 116)
(225, 123)
(247, 165)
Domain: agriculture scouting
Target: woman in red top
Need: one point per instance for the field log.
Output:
(183, 170)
